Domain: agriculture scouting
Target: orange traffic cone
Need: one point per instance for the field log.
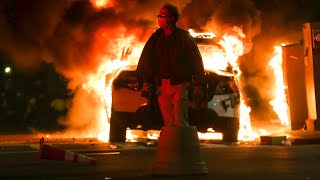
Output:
(52, 153)
(178, 153)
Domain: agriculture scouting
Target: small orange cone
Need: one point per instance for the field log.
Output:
(178, 153)
(52, 153)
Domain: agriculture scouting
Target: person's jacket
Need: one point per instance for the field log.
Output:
(176, 57)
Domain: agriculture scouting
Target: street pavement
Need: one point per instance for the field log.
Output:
(19, 159)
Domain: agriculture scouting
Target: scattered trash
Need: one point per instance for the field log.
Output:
(272, 140)
(112, 146)
(286, 143)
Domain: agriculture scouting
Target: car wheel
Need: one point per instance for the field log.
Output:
(230, 136)
(149, 119)
(203, 119)
(118, 127)
(230, 130)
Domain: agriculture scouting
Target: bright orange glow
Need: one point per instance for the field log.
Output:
(219, 58)
(101, 3)
(210, 135)
(245, 131)
(153, 134)
(122, 53)
(134, 135)
(279, 103)
(203, 35)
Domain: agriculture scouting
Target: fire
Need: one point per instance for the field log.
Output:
(203, 35)
(125, 50)
(245, 131)
(100, 3)
(122, 53)
(133, 135)
(214, 58)
(279, 103)
(211, 134)
(233, 46)
(219, 58)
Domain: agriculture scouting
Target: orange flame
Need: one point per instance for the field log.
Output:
(233, 44)
(210, 135)
(203, 35)
(101, 3)
(219, 58)
(245, 131)
(279, 103)
(124, 51)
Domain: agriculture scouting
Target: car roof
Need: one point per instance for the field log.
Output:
(218, 72)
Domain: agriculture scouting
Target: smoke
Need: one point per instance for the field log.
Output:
(72, 35)
(281, 23)
(216, 15)
(25, 27)
(62, 32)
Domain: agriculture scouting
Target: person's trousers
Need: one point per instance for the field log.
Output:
(173, 102)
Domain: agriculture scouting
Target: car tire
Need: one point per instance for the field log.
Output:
(149, 119)
(230, 136)
(203, 119)
(118, 127)
(230, 130)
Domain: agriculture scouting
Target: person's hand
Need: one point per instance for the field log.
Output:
(145, 90)
(196, 97)
(197, 92)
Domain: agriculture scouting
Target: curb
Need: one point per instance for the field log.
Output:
(305, 141)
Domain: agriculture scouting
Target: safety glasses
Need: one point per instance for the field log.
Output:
(163, 16)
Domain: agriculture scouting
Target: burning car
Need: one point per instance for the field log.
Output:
(218, 110)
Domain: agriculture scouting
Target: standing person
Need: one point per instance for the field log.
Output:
(172, 62)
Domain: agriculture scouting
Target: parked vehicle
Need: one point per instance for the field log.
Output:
(131, 110)
(219, 108)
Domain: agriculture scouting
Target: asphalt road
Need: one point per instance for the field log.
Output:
(135, 161)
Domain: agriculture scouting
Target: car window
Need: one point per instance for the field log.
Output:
(223, 87)
(126, 79)
(219, 84)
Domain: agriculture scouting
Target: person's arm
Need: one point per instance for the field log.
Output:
(145, 68)
(196, 62)
(198, 74)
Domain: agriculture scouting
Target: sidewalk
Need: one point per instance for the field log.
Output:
(300, 137)
(30, 143)
(297, 137)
